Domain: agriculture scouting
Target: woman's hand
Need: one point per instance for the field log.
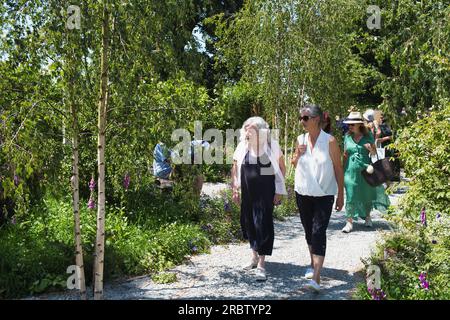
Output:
(236, 197)
(339, 202)
(371, 148)
(301, 149)
(277, 199)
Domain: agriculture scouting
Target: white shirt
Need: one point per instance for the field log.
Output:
(314, 174)
(274, 153)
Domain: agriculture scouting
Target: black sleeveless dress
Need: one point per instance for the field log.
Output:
(257, 193)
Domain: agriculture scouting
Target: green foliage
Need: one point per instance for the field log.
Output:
(414, 247)
(288, 205)
(406, 253)
(220, 219)
(164, 277)
(408, 59)
(426, 158)
(37, 252)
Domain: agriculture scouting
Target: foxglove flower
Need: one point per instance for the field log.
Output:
(423, 217)
(91, 204)
(92, 184)
(126, 181)
(16, 180)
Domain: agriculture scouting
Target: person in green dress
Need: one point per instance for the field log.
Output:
(381, 202)
(358, 145)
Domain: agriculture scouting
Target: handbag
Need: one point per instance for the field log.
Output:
(381, 154)
(383, 171)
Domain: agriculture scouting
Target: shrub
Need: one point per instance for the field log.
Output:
(415, 259)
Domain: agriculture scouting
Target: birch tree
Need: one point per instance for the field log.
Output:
(102, 107)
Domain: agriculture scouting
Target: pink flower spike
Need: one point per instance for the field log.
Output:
(92, 184)
(91, 204)
(126, 181)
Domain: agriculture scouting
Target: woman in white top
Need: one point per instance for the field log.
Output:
(258, 178)
(318, 178)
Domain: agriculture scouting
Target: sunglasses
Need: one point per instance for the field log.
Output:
(306, 118)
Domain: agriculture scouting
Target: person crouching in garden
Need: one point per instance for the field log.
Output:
(318, 178)
(258, 183)
(358, 145)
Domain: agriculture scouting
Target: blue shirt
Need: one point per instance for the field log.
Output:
(161, 165)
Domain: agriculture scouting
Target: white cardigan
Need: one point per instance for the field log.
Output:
(274, 153)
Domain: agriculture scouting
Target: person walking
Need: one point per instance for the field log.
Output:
(358, 143)
(381, 202)
(318, 178)
(386, 138)
(258, 184)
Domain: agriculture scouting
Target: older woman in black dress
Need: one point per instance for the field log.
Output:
(258, 183)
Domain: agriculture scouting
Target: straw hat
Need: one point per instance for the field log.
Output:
(354, 117)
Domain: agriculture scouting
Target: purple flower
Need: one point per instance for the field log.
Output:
(13, 220)
(126, 181)
(227, 206)
(433, 241)
(92, 184)
(422, 276)
(377, 294)
(423, 217)
(16, 180)
(192, 246)
(91, 204)
(423, 281)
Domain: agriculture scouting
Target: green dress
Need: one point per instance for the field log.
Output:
(361, 198)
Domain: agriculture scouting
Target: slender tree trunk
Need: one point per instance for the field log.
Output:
(291, 167)
(102, 107)
(286, 138)
(301, 99)
(76, 202)
(71, 63)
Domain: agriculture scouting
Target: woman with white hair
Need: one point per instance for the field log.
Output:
(258, 183)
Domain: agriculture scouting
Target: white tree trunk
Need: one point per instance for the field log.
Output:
(76, 204)
(286, 138)
(102, 107)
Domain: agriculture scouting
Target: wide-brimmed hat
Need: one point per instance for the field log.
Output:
(354, 117)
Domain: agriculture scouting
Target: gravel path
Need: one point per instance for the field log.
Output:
(218, 275)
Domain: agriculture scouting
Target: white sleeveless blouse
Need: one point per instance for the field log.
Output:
(314, 174)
